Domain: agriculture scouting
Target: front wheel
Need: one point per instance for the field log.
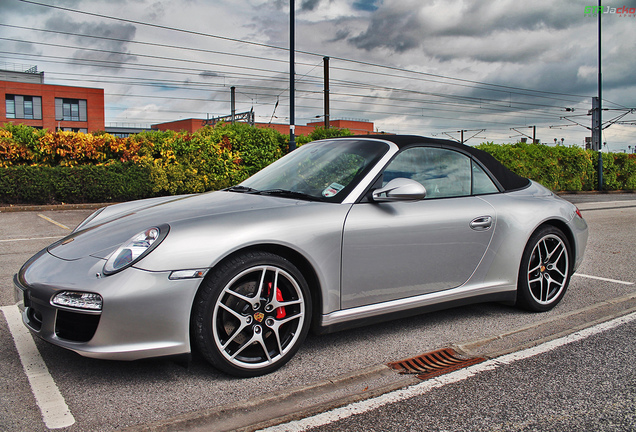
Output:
(544, 273)
(251, 314)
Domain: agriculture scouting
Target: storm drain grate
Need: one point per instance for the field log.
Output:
(435, 363)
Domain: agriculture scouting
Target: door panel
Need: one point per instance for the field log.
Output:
(397, 250)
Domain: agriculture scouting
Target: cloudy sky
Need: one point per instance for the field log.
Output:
(491, 68)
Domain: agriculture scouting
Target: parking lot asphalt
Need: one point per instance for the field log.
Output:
(581, 382)
(328, 370)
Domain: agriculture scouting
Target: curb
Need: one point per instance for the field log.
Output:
(602, 192)
(51, 207)
(301, 402)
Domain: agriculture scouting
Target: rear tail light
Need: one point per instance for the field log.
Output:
(578, 213)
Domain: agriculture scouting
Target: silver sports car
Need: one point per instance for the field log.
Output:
(338, 233)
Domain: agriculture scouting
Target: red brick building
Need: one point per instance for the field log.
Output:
(27, 100)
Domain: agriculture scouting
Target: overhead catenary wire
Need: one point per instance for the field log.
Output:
(212, 51)
(317, 80)
(485, 104)
(270, 46)
(360, 92)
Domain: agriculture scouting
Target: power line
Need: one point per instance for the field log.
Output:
(479, 100)
(467, 104)
(505, 90)
(299, 51)
(153, 44)
(125, 54)
(153, 25)
(195, 86)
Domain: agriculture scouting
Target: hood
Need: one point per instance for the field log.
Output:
(102, 239)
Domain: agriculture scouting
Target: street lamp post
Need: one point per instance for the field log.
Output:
(292, 73)
(600, 103)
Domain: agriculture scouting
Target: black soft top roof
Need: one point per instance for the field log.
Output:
(506, 178)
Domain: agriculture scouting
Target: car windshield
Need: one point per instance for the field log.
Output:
(323, 170)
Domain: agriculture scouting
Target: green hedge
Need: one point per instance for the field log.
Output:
(44, 168)
(563, 168)
(79, 184)
(38, 167)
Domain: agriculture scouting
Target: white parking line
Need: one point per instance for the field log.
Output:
(54, 222)
(603, 279)
(55, 412)
(453, 377)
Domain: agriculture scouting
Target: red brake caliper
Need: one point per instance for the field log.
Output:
(280, 312)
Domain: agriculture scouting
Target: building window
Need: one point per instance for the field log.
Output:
(70, 109)
(10, 105)
(23, 107)
(28, 107)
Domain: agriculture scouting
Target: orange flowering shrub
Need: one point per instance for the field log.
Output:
(157, 162)
(20, 145)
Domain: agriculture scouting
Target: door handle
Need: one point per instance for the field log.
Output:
(483, 223)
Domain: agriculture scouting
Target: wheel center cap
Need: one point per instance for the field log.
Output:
(259, 316)
(542, 268)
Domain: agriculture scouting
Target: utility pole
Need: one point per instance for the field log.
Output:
(600, 102)
(534, 134)
(326, 84)
(596, 130)
(292, 73)
(233, 103)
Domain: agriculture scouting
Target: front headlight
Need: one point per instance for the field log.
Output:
(135, 249)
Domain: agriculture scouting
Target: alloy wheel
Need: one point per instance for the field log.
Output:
(258, 317)
(548, 269)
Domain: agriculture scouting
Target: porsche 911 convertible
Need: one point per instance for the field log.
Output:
(338, 233)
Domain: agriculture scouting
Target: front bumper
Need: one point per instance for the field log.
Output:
(144, 314)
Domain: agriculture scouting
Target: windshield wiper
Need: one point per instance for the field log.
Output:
(288, 194)
(241, 189)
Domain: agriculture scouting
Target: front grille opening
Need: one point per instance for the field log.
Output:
(435, 363)
(76, 327)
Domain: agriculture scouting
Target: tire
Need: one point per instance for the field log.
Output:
(545, 270)
(251, 314)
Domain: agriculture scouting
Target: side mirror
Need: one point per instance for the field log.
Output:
(400, 189)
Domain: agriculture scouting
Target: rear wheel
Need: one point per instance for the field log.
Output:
(545, 268)
(252, 314)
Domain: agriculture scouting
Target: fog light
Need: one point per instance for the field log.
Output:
(78, 300)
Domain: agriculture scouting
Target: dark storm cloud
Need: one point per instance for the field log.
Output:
(483, 18)
(398, 30)
(309, 5)
(428, 26)
(110, 39)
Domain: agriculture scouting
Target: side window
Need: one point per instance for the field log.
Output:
(482, 184)
(444, 173)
